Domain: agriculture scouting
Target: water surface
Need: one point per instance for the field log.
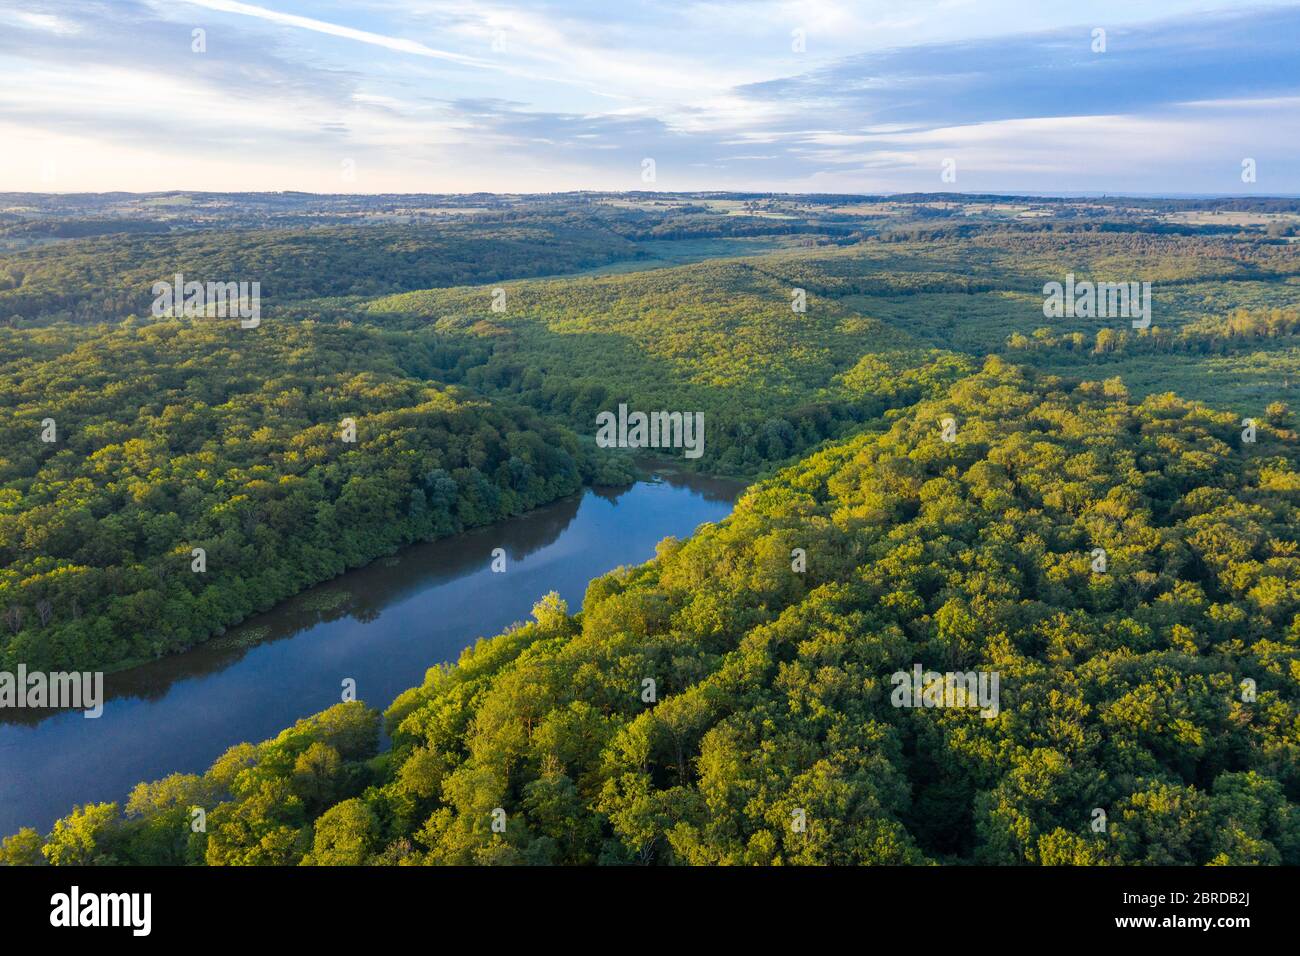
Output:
(382, 625)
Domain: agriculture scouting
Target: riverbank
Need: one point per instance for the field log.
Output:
(382, 626)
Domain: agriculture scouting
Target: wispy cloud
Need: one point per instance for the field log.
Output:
(396, 44)
(457, 95)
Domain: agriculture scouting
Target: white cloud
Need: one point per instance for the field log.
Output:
(45, 22)
(580, 90)
(396, 44)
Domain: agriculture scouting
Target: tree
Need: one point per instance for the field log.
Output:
(345, 835)
(85, 837)
(22, 849)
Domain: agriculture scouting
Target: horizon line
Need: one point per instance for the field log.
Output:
(1030, 194)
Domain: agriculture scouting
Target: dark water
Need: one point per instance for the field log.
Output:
(383, 626)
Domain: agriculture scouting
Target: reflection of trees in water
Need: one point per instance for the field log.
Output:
(367, 614)
(368, 591)
(610, 493)
(31, 716)
(708, 488)
(151, 681)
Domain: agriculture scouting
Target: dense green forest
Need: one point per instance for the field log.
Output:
(1162, 691)
(162, 480)
(177, 435)
(170, 436)
(111, 276)
(721, 337)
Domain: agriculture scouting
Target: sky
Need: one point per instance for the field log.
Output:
(451, 96)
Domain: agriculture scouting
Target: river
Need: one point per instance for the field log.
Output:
(382, 625)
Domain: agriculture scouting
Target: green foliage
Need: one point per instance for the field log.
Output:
(22, 848)
(1120, 690)
(100, 279)
(768, 735)
(86, 837)
(345, 835)
(178, 436)
(721, 338)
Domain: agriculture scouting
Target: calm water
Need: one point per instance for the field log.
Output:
(383, 625)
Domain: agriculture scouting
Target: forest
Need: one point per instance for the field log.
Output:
(934, 466)
(1160, 692)
(112, 275)
(171, 436)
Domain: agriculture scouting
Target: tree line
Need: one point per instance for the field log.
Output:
(1148, 703)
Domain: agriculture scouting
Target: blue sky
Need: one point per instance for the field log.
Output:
(458, 96)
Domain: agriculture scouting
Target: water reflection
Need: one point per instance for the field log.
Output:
(382, 626)
(361, 595)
